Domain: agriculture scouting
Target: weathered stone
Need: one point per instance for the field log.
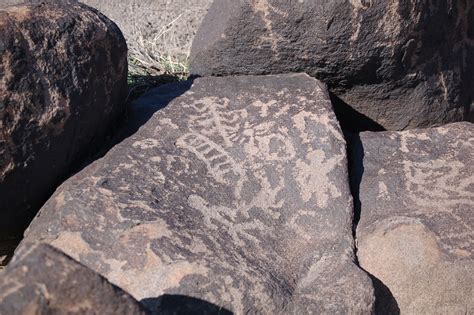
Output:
(63, 79)
(235, 193)
(42, 280)
(403, 64)
(416, 231)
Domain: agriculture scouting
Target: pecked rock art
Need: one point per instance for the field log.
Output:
(63, 82)
(391, 73)
(42, 280)
(416, 232)
(235, 193)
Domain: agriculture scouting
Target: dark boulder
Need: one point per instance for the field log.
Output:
(416, 228)
(63, 81)
(42, 280)
(401, 64)
(235, 193)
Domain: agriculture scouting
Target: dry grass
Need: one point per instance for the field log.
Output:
(154, 61)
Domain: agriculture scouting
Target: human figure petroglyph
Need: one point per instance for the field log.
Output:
(211, 199)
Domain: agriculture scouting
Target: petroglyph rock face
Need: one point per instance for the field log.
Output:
(236, 193)
(416, 232)
(42, 280)
(403, 64)
(63, 76)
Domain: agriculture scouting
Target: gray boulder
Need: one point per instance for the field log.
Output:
(398, 64)
(416, 229)
(42, 280)
(63, 70)
(235, 193)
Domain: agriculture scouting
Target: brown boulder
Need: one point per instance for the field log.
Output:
(235, 193)
(63, 80)
(416, 230)
(402, 64)
(43, 280)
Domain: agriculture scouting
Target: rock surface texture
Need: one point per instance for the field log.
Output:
(235, 193)
(42, 280)
(403, 64)
(63, 79)
(416, 232)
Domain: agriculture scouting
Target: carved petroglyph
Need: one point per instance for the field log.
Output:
(265, 9)
(263, 107)
(359, 7)
(438, 184)
(215, 119)
(365, 50)
(228, 194)
(219, 163)
(146, 144)
(416, 232)
(313, 179)
(442, 187)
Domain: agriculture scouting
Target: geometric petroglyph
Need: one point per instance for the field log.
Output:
(416, 232)
(235, 193)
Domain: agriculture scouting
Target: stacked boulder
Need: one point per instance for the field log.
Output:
(416, 230)
(234, 193)
(240, 193)
(400, 64)
(63, 83)
(42, 280)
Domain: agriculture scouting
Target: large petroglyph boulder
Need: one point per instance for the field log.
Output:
(63, 77)
(236, 193)
(416, 232)
(403, 64)
(42, 280)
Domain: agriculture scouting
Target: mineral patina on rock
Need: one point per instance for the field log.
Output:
(416, 232)
(403, 64)
(63, 79)
(235, 193)
(42, 280)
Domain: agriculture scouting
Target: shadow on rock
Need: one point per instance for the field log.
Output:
(140, 110)
(143, 108)
(385, 302)
(355, 154)
(137, 114)
(350, 119)
(182, 305)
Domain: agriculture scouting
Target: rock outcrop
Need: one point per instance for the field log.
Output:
(235, 193)
(402, 64)
(63, 80)
(42, 280)
(416, 229)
